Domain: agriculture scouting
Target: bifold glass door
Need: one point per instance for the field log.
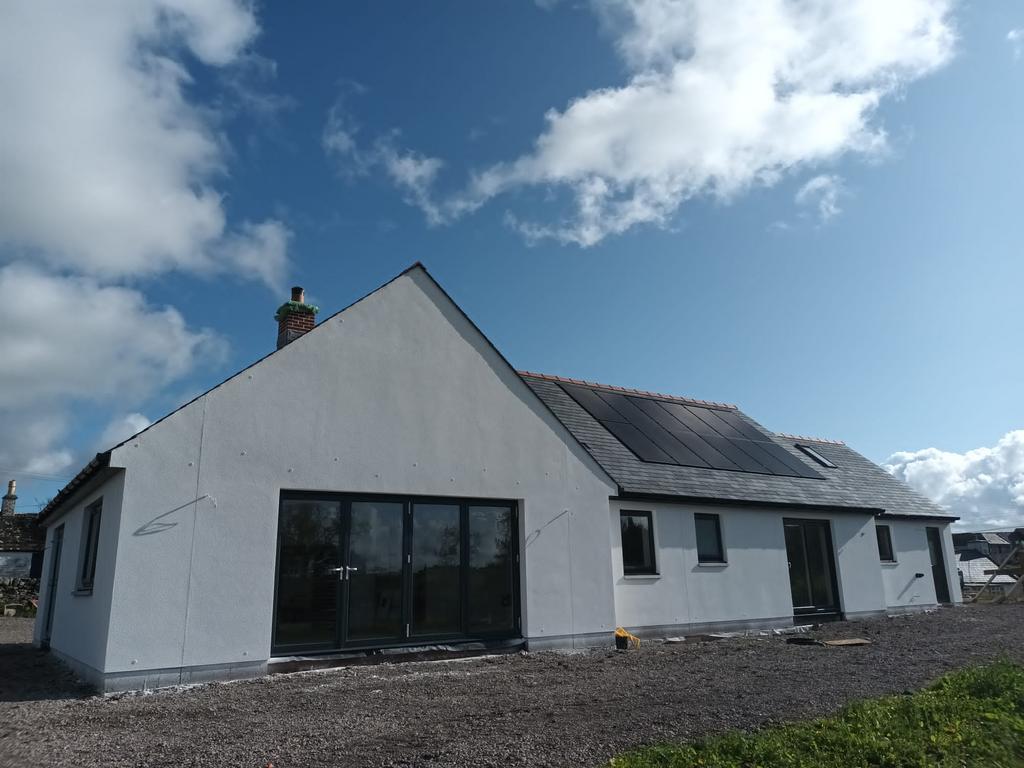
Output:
(358, 572)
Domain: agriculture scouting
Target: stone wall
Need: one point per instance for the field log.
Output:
(23, 593)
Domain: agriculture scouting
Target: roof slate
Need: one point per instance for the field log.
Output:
(973, 569)
(855, 483)
(21, 533)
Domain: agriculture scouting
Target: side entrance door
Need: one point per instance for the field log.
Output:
(812, 575)
(938, 564)
(370, 572)
(56, 549)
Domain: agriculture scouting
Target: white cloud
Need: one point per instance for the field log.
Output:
(821, 193)
(984, 486)
(108, 168)
(31, 441)
(69, 341)
(411, 172)
(120, 429)
(1015, 37)
(720, 97)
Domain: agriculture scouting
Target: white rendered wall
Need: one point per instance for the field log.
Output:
(80, 621)
(753, 586)
(399, 394)
(903, 590)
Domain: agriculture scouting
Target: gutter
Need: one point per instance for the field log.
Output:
(712, 501)
(878, 512)
(88, 472)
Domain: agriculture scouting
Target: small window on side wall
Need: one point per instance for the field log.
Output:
(709, 539)
(90, 545)
(885, 550)
(637, 543)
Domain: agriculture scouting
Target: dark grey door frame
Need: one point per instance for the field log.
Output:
(826, 612)
(56, 549)
(938, 560)
(346, 499)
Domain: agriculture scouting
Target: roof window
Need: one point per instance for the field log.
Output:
(816, 456)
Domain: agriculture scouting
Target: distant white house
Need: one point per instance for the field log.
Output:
(21, 543)
(385, 480)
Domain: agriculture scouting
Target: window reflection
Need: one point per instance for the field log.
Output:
(436, 566)
(490, 587)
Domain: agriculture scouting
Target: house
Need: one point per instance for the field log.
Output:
(976, 571)
(386, 480)
(991, 544)
(21, 553)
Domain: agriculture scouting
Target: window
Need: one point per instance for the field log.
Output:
(816, 456)
(709, 539)
(885, 551)
(637, 543)
(90, 543)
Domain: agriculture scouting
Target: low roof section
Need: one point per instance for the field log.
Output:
(855, 483)
(21, 533)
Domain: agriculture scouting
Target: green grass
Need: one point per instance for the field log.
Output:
(970, 718)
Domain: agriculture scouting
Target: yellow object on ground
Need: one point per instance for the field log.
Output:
(632, 639)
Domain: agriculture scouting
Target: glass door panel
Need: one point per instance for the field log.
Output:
(938, 564)
(436, 569)
(308, 575)
(798, 581)
(490, 575)
(811, 569)
(818, 565)
(374, 566)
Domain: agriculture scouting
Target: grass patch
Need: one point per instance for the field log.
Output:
(970, 718)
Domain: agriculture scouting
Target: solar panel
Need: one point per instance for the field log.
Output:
(665, 432)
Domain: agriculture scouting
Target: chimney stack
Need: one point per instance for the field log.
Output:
(7, 508)
(294, 317)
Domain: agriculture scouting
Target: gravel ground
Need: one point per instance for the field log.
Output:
(542, 709)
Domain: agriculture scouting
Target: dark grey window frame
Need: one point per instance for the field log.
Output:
(644, 569)
(408, 501)
(705, 559)
(813, 454)
(92, 518)
(886, 531)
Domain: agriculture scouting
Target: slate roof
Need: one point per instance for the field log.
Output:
(995, 538)
(855, 483)
(21, 533)
(973, 567)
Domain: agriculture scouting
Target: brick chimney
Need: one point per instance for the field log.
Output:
(7, 508)
(294, 317)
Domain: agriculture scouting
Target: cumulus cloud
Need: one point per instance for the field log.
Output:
(411, 172)
(70, 341)
(109, 171)
(108, 168)
(719, 97)
(984, 486)
(821, 194)
(1015, 37)
(120, 429)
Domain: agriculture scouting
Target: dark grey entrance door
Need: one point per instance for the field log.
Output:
(811, 568)
(56, 548)
(369, 572)
(938, 564)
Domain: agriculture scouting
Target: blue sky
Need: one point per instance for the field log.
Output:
(334, 144)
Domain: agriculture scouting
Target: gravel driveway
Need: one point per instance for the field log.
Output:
(542, 709)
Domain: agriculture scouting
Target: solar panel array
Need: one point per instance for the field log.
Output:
(667, 432)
